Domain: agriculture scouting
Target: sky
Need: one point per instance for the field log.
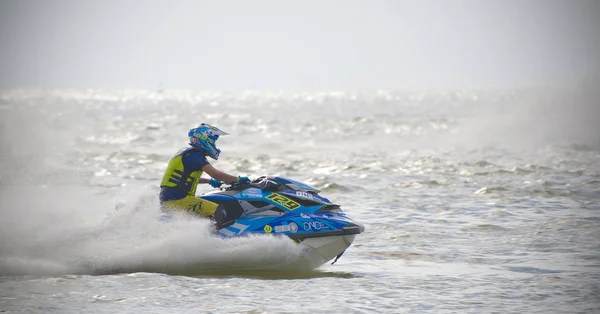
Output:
(297, 45)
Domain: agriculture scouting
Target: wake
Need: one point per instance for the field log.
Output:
(55, 241)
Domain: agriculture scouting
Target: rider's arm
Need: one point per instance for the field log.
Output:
(204, 180)
(217, 174)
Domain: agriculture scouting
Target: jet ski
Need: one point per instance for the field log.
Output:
(285, 207)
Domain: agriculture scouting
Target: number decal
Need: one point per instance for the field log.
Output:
(283, 201)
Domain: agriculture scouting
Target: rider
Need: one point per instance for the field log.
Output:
(178, 185)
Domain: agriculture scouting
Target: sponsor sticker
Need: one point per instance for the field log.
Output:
(291, 227)
(252, 192)
(304, 194)
(314, 225)
(268, 229)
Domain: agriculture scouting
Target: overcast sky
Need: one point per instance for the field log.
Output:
(297, 45)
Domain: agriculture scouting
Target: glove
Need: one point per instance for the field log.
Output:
(243, 180)
(214, 183)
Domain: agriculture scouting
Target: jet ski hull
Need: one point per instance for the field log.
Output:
(319, 250)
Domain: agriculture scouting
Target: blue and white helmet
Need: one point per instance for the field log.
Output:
(205, 137)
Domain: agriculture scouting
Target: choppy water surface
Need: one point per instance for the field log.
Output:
(478, 201)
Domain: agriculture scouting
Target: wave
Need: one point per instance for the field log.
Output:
(132, 238)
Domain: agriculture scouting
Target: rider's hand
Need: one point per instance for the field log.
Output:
(243, 180)
(215, 183)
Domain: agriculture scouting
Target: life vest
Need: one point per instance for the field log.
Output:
(178, 180)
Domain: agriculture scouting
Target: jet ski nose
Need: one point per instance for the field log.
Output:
(362, 228)
(353, 228)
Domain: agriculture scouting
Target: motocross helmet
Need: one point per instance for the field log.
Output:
(205, 137)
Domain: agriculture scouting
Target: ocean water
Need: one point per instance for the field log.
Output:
(476, 201)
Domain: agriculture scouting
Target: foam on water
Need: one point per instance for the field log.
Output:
(73, 238)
